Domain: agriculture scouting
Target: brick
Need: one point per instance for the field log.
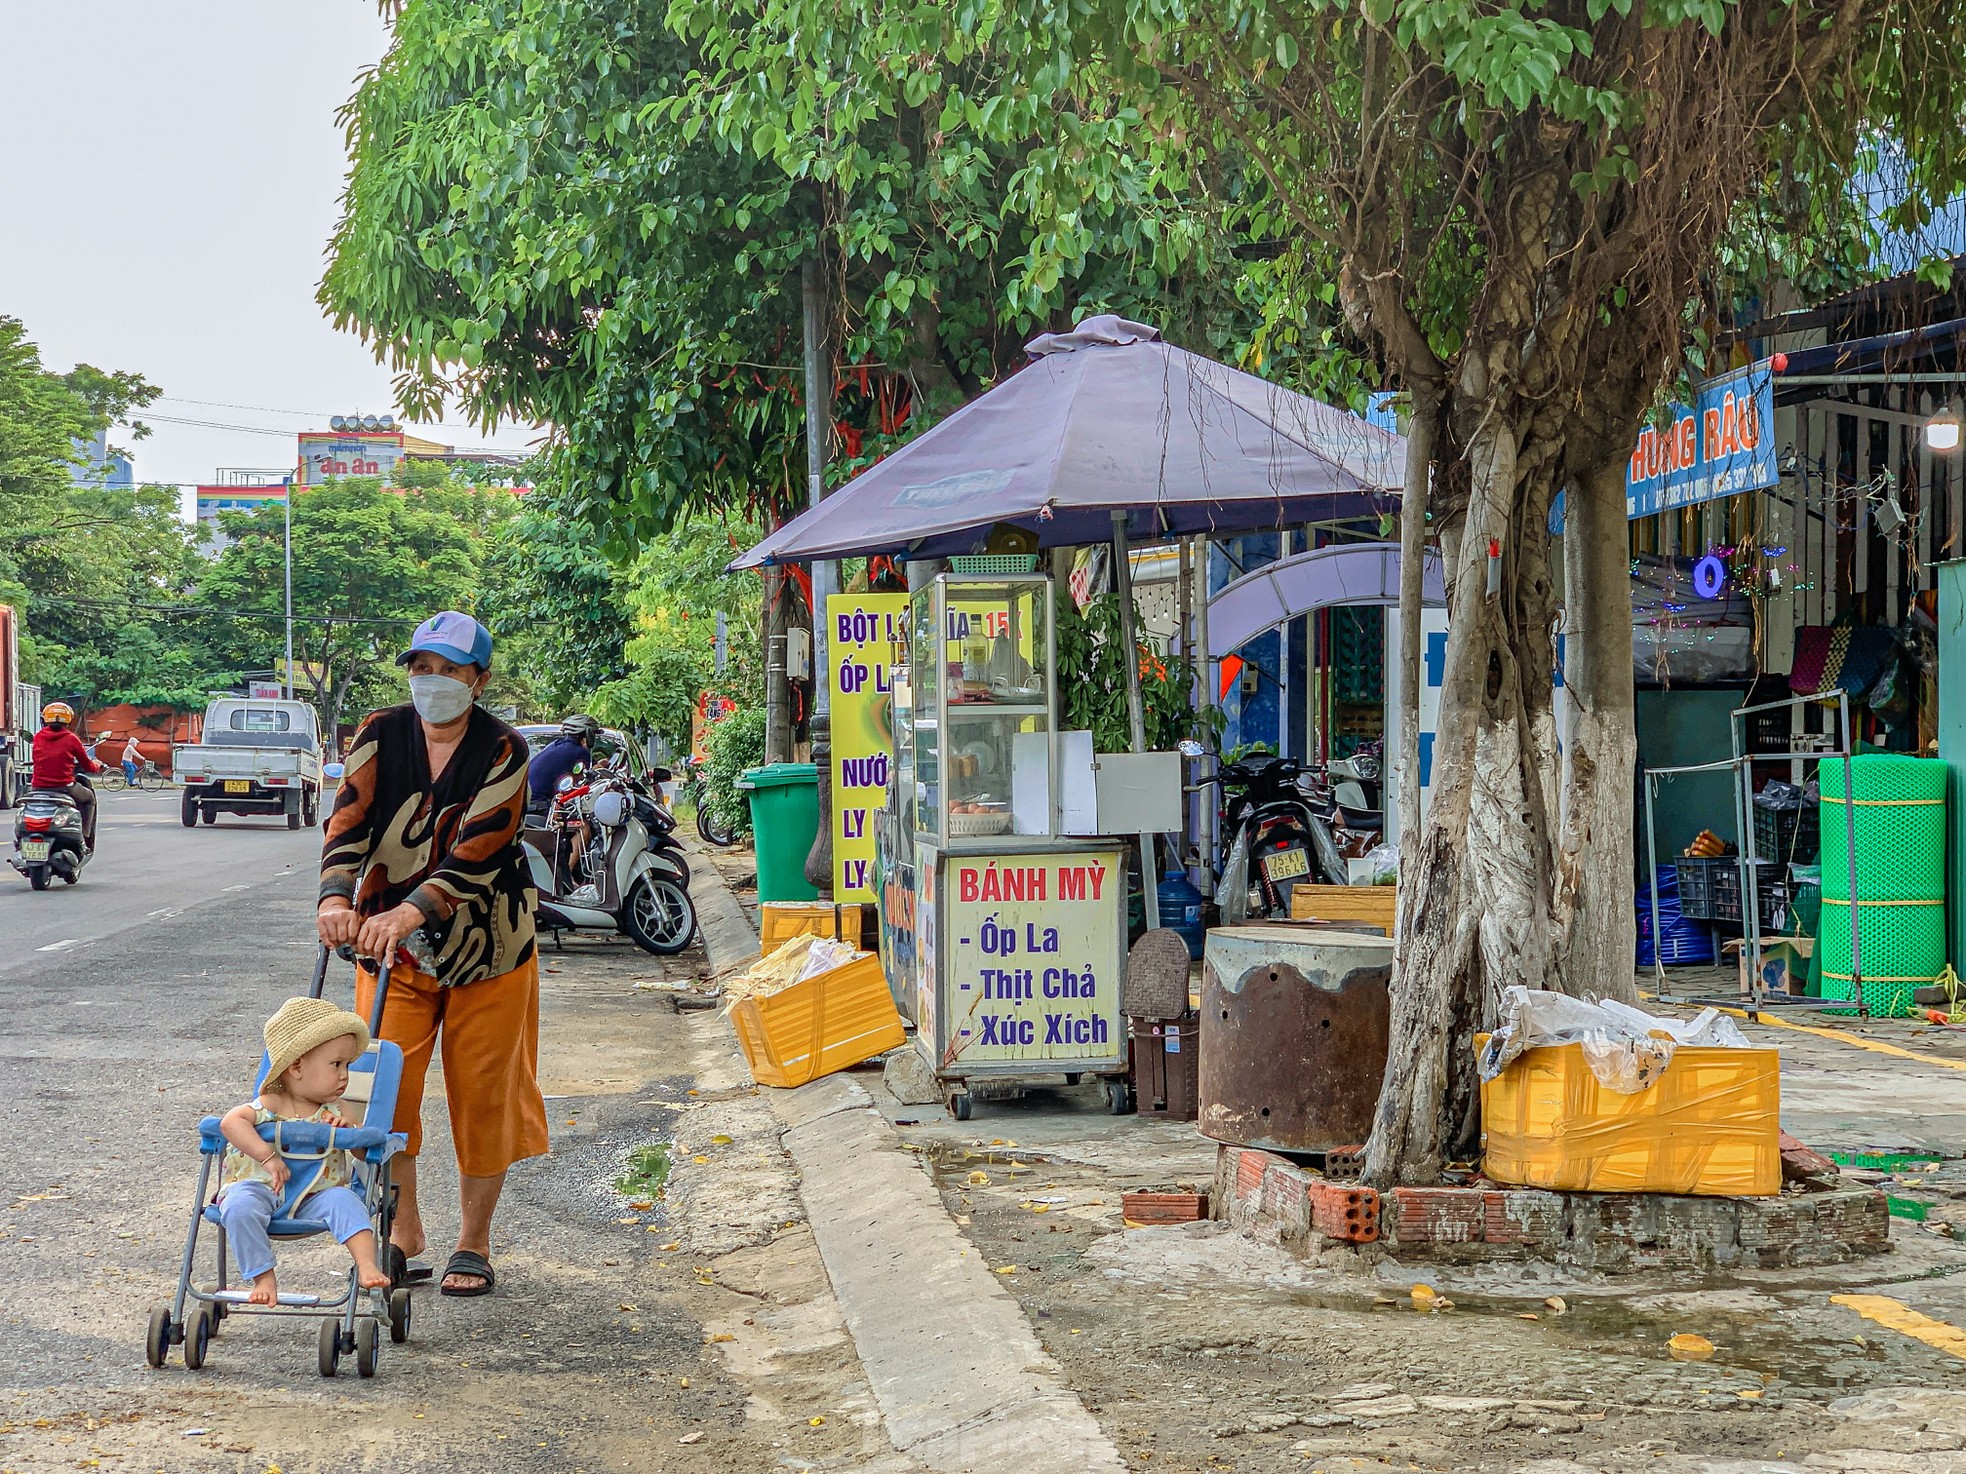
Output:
(1156, 1208)
(1251, 1168)
(1804, 1163)
(1344, 1164)
(1345, 1211)
(1286, 1198)
(1438, 1215)
(1521, 1216)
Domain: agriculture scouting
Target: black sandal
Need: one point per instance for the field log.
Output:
(466, 1262)
(404, 1270)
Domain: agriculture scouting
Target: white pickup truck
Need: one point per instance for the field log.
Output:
(258, 757)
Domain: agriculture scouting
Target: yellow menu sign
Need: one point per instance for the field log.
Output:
(863, 633)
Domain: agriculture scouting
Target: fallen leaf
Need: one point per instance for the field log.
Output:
(683, 1381)
(720, 1141)
(815, 1422)
(696, 1437)
(979, 1179)
(1750, 1393)
(1008, 1269)
(723, 1336)
(629, 1221)
(1527, 1315)
(670, 1248)
(1423, 1296)
(625, 1305)
(699, 1160)
(1557, 1303)
(641, 1205)
(1688, 1347)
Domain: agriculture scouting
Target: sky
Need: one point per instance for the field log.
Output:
(169, 184)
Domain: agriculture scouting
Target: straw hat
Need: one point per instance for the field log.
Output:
(303, 1024)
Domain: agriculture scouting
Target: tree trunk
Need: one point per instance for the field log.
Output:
(1412, 604)
(1593, 917)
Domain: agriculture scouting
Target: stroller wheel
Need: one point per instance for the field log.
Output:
(330, 1346)
(400, 1302)
(157, 1344)
(368, 1344)
(198, 1336)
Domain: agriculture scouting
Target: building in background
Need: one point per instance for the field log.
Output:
(352, 445)
(97, 465)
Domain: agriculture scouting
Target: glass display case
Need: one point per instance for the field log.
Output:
(975, 711)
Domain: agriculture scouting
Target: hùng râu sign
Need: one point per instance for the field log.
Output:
(1723, 444)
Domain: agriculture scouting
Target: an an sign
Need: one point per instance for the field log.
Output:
(1032, 955)
(1723, 445)
(864, 632)
(366, 453)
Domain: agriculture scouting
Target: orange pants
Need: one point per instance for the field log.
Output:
(490, 1034)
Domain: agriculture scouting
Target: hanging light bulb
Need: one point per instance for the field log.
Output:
(1942, 430)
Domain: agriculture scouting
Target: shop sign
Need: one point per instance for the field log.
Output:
(864, 632)
(1033, 966)
(1722, 445)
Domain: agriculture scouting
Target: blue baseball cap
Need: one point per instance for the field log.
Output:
(456, 637)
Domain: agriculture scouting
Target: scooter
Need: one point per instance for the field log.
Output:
(1355, 788)
(1279, 816)
(48, 838)
(630, 885)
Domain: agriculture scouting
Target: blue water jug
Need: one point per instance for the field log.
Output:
(1180, 910)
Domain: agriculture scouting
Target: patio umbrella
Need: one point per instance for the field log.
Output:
(1104, 419)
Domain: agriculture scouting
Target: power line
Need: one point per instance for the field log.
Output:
(200, 611)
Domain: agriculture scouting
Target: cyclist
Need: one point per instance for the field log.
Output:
(132, 756)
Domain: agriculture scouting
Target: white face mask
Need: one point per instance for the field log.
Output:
(440, 699)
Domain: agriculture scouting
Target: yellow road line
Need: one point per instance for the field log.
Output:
(1895, 1315)
(1843, 1036)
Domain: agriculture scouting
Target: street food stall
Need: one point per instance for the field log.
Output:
(1004, 938)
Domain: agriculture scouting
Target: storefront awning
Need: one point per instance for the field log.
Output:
(1276, 593)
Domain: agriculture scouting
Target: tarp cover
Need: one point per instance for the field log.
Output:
(1106, 417)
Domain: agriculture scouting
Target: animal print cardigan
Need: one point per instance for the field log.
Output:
(451, 849)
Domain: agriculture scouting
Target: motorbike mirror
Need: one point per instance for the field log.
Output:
(1190, 748)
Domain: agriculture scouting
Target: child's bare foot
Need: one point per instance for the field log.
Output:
(368, 1274)
(265, 1290)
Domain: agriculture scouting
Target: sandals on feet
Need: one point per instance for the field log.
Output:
(466, 1262)
(404, 1270)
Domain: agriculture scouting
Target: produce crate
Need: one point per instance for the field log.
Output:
(1706, 1126)
(1695, 885)
(1771, 892)
(1371, 905)
(780, 921)
(1788, 836)
(831, 1021)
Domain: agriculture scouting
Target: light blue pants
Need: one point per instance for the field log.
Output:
(245, 1209)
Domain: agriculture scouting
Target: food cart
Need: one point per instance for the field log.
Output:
(1003, 936)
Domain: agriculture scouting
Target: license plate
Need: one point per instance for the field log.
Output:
(34, 851)
(1287, 864)
(238, 785)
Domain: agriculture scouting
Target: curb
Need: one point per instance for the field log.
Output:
(963, 1384)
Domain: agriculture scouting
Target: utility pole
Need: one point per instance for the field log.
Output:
(819, 428)
(287, 504)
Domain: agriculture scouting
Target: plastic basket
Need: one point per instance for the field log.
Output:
(1788, 836)
(1771, 894)
(1696, 885)
(985, 564)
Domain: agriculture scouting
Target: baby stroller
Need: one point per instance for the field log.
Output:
(351, 1320)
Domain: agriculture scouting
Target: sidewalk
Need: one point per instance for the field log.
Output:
(1192, 1348)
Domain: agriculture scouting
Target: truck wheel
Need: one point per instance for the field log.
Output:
(208, 814)
(310, 808)
(188, 809)
(293, 815)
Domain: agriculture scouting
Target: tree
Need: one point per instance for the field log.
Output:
(368, 566)
(1522, 208)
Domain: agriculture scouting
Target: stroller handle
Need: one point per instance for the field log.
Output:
(347, 954)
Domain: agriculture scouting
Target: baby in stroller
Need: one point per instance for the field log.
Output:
(309, 1045)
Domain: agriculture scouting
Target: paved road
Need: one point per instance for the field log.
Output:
(172, 952)
(148, 866)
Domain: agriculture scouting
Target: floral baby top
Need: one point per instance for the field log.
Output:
(336, 1170)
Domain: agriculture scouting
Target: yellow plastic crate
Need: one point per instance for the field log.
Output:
(828, 1022)
(780, 921)
(1710, 1125)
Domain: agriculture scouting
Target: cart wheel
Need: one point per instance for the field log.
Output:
(400, 1302)
(330, 1346)
(368, 1344)
(1119, 1097)
(157, 1344)
(1072, 1077)
(959, 1104)
(197, 1337)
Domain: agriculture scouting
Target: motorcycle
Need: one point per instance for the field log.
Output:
(622, 879)
(1356, 788)
(1279, 815)
(696, 787)
(48, 838)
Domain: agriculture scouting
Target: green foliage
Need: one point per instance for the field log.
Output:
(142, 665)
(734, 744)
(368, 565)
(1091, 646)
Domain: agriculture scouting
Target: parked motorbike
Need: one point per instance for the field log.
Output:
(696, 785)
(1278, 815)
(622, 878)
(48, 838)
(1356, 788)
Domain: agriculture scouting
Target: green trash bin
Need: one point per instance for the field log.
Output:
(784, 821)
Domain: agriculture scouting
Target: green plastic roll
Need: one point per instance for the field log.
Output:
(1900, 824)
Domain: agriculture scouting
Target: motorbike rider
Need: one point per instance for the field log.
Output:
(571, 750)
(60, 759)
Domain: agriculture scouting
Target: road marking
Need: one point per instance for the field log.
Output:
(1895, 1315)
(236, 888)
(61, 946)
(1844, 1036)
